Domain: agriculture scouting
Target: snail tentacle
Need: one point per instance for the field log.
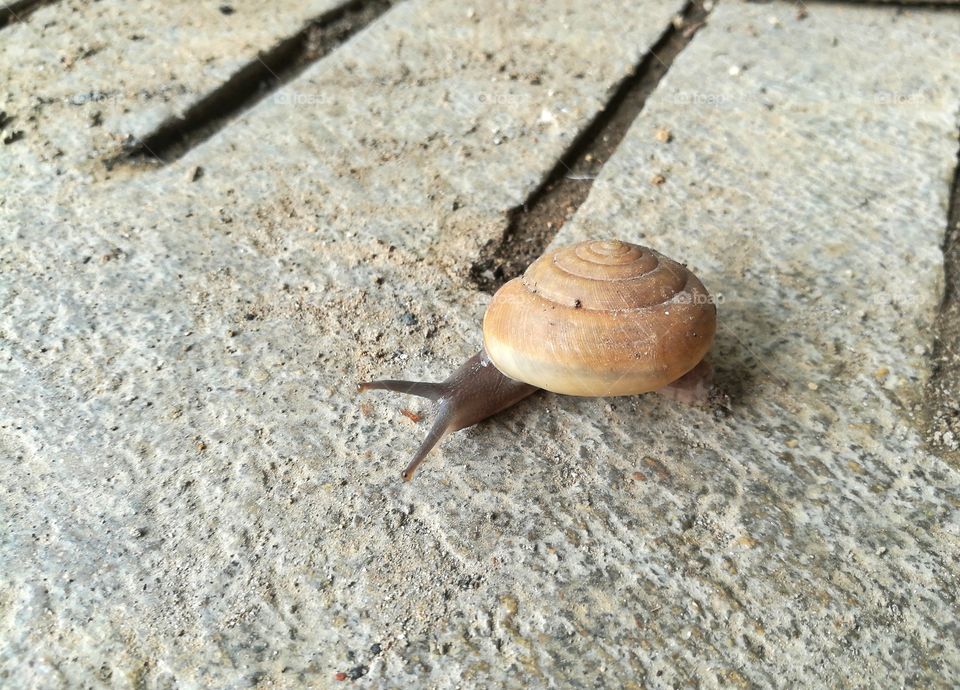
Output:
(472, 393)
(439, 429)
(423, 389)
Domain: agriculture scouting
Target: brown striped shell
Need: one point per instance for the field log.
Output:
(599, 318)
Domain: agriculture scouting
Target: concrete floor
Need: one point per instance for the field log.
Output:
(194, 496)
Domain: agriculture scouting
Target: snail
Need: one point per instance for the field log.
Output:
(597, 318)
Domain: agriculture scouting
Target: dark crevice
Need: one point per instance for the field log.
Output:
(252, 83)
(943, 390)
(532, 226)
(19, 10)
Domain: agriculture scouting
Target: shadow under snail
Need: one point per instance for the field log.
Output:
(598, 318)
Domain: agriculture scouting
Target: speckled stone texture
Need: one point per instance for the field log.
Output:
(193, 496)
(801, 535)
(81, 79)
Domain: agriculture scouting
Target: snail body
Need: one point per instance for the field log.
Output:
(598, 318)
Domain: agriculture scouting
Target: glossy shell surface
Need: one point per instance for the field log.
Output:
(599, 318)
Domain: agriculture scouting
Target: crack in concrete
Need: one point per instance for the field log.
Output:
(256, 80)
(532, 226)
(18, 11)
(942, 398)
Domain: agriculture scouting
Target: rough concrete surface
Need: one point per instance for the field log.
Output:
(84, 79)
(193, 496)
(811, 193)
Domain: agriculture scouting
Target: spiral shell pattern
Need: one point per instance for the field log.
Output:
(600, 318)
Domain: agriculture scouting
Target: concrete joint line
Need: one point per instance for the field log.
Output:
(940, 400)
(19, 10)
(532, 225)
(256, 80)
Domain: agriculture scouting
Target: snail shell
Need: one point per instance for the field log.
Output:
(599, 318)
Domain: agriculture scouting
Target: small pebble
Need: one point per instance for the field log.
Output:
(411, 415)
(664, 135)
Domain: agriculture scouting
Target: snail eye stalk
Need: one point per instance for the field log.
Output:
(470, 394)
